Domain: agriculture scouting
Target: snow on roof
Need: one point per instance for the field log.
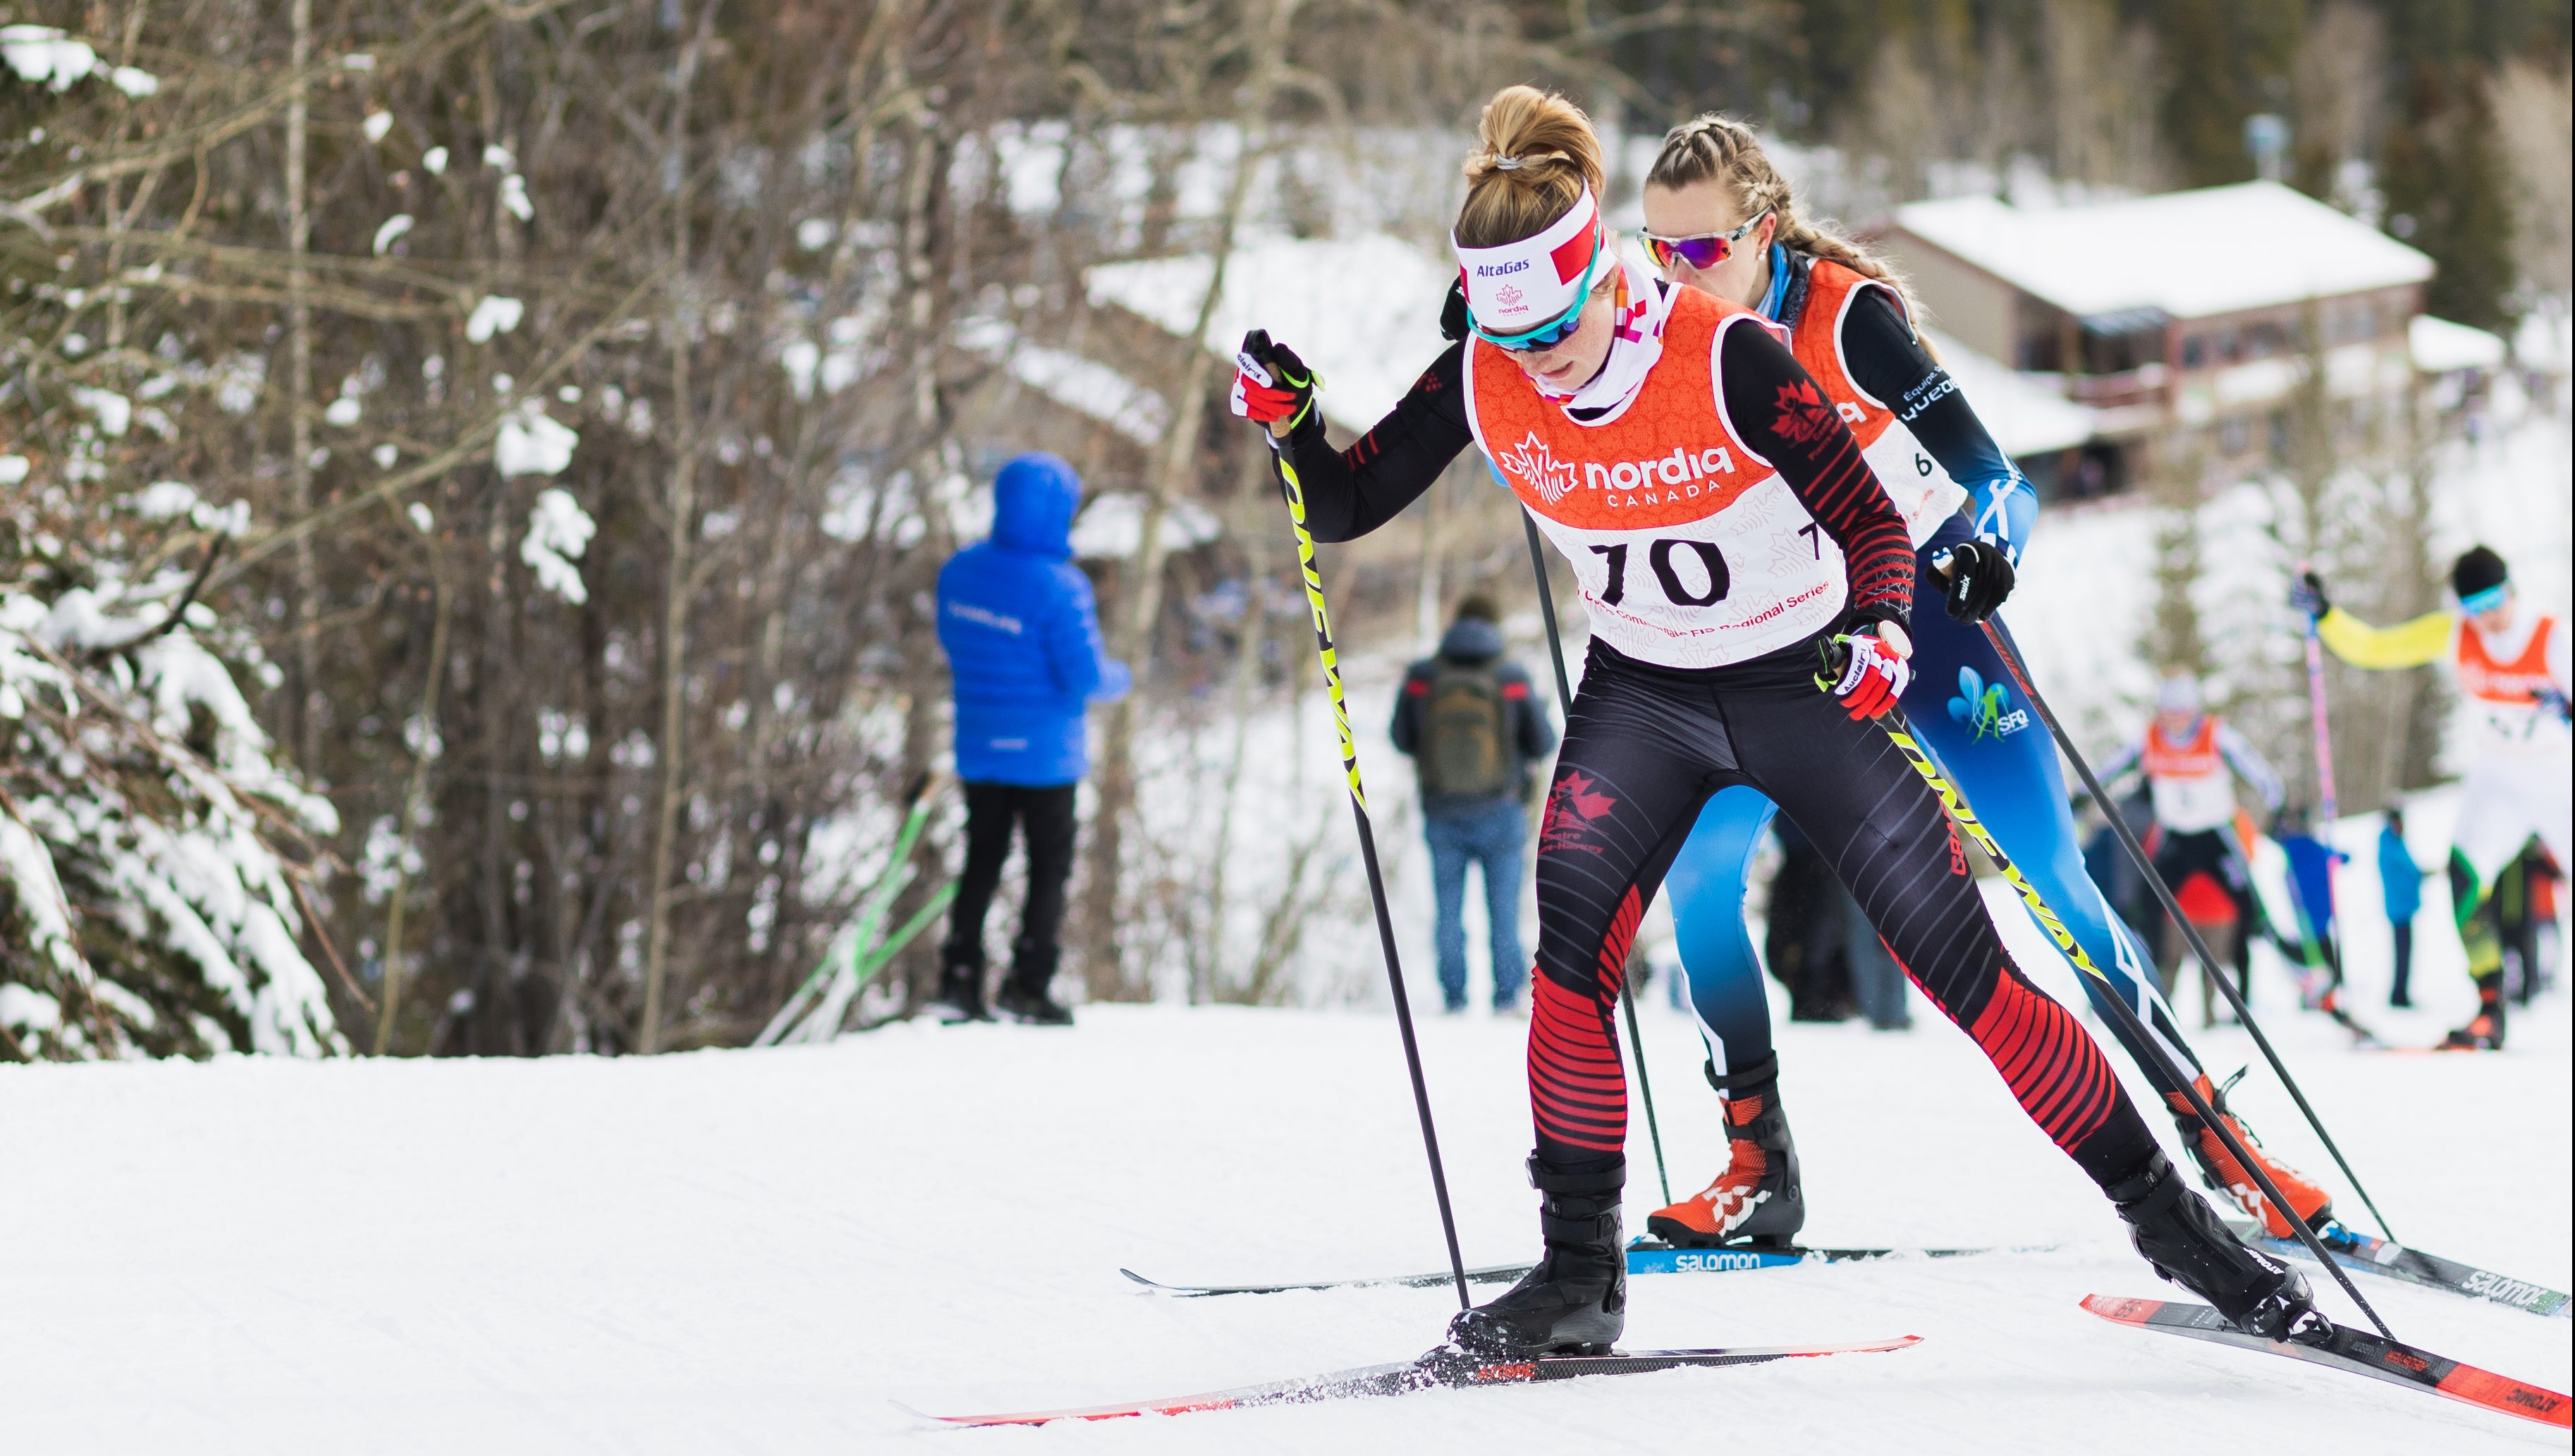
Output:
(2025, 417)
(2217, 250)
(1363, 311)
(2440, 346)
(1083, 385)
(1093, 389)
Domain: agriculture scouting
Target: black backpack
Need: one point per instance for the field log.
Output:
(1466, 742)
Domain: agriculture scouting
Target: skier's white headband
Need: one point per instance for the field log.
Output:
(1526, 287)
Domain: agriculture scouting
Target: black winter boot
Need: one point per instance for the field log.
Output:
(2178, 1233)
(961, 989)
(1024, 995)
(1757, 1199)
(1575, 1300)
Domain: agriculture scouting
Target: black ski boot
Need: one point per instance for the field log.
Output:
(2178, 1233)
(1575, 1300)
(961, 989)
(1024, 995)
(1757, 1199)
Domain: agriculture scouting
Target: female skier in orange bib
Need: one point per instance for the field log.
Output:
(1726, 531)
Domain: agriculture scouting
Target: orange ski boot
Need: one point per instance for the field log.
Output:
(2219, 1169)
(1756, 1199)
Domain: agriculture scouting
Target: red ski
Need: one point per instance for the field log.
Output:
(1440, 1369)
(2356, 1351)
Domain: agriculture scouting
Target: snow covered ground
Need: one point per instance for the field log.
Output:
(764, 1250)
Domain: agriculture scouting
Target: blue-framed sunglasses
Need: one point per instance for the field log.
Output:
(1548, 334)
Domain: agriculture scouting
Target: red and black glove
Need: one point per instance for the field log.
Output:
(1272, 386)
(1875, 668)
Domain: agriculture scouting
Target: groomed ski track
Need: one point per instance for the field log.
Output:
(763, 1251)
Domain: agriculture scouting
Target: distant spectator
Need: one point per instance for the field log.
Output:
(1022, 634)
(2311, 872)
(1474, 727)
(2400, 890)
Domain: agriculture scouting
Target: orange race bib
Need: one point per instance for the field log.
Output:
(1689, 550)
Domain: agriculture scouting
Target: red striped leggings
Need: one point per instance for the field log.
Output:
(1645, 746)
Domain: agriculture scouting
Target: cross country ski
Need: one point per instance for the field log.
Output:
(1447, 1368)
(2392, 1260)
(2358, 1352)
(1645, 1256)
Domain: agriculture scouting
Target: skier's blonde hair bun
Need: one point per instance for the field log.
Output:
(1534, 153)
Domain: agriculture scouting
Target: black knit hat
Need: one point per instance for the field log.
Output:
(2477, 570)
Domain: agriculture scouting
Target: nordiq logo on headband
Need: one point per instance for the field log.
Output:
(1548, 272)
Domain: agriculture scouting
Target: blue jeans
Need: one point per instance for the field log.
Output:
(1492, 835)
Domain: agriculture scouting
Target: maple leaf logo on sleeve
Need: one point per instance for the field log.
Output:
(1540, 469)
(1804, 416)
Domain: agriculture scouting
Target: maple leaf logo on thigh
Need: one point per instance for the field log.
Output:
(1572, 809)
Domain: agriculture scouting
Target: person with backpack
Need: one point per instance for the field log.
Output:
(1473, 725)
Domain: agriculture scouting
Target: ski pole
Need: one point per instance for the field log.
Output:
(1295, 493)
(1564, 698)
(1901, 732)
(2200, 948)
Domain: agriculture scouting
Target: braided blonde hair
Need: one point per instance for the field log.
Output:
(1713, 147)
(1534, 153)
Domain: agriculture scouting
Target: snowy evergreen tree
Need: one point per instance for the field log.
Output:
(143, 904)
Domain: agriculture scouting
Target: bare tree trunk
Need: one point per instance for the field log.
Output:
(1104, 976)
(1208, 974)
(299, 399)
(410, 815)
(682, 511)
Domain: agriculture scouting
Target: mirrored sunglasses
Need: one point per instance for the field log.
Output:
(1702, 251)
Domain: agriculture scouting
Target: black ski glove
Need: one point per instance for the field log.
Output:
(2307, 595)
(1452, 313)
(1980, 578)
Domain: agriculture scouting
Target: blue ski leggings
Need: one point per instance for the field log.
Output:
(1964, 709)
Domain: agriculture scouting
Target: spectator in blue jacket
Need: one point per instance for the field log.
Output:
(2400, 886)
(1021, 634)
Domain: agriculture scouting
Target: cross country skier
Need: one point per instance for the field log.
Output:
(2188, 755)
(1724, 531)
(1720, 218)
(2511, 665)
